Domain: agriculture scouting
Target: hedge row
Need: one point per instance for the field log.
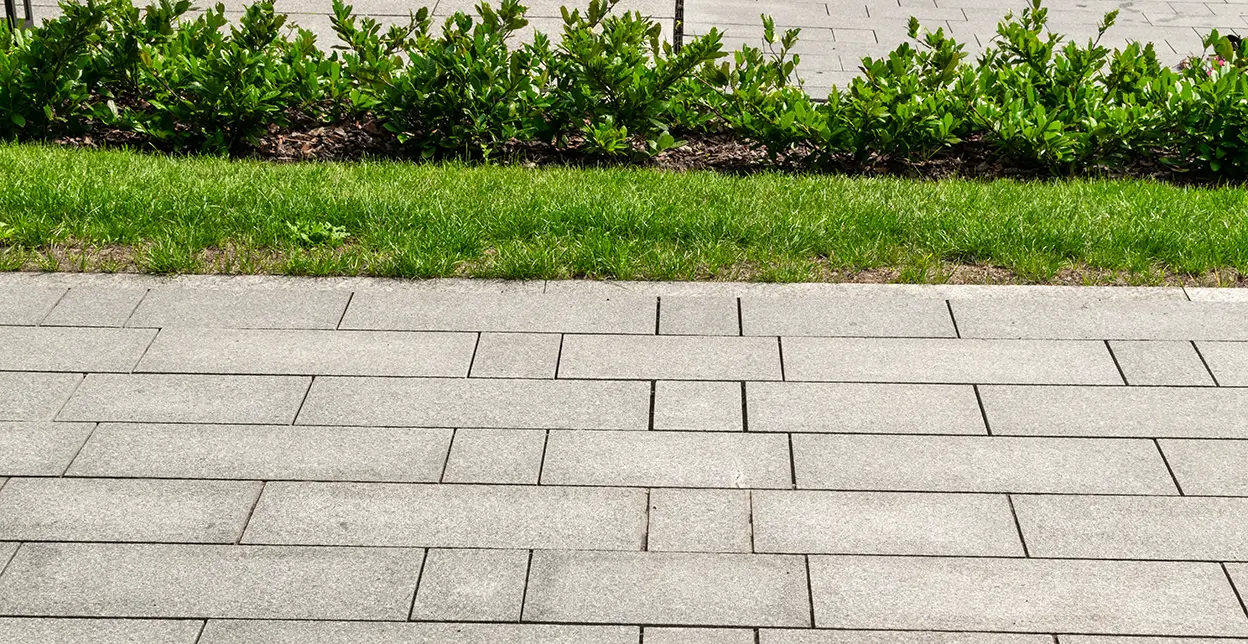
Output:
(610, 86)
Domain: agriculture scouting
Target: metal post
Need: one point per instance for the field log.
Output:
(19, 21)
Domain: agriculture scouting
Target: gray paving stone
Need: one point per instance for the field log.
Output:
(669, 357)
(55, 509)
(38, 630)
(448, 516)
(787, 636)
(95, 306)
(71, 349)
(1132, 527)
(1139, 320)
(27, 303)
(699, 316)
(1180, 412)
(517, 355)
(949, 361)
(158, 580)
(35, 396)
(40, 449)
(846, 316)
(187, 398)
(667, 459)
(729, 12)
(1228, 361)
(698, 406)
(980, 464)
(267, 452)
(886, 523)
(496, 456)
(1024, 595)
(304, 352)
(1209, 466)
(472, 585)
(666, 635)
(7, 551)
(1161, 363)
(869, 408)
(285, 632)
(699, 521)
(523, 404)
(240, 308)
(1198, 294)
(1113, 639)
(438, 311)
(550, 8)
(663, 588)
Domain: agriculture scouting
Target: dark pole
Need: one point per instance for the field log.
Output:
(10, 12)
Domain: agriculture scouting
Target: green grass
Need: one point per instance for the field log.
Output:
(70, 209)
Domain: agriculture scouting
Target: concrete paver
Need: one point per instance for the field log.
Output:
(625, 357)
(846, 316)
(235, 308)
(668, 635)
(40, 449)
(698, 405)
(95, 306)
(863, 408)
(1228, 361)
(41, 630)
(472, 586)
(684, 520)
(1151, 412)
(71, 348)
(699, 316)
(1209, 466)
(517, 355)
(1145, 320)
(186, 399)
(792, 636)
(323, 632)
(35, 396)
(504, 312)
(27, 304)
(496, 456)
(1161, 363)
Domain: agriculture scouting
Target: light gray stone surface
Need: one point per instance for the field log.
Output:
(71, 348)
(1159, 362)
(441, 311)
(669, 357)
(286, 632)
(1024, 595)
(40, 449)
(314, 353)
(1153, 412)
(448, 516)
(496, 456)
(949, 361)
(7, 550)
(791, 636)
(668, 635)
(35, 396)
(472, 585)
(52, 509)
(266, 452)
(980, 464)
(187, 399)
(699, 316)
(846, 316)
(1139, 320)
(241, 308)
(885, 523)
(27, 304)
(1118, 639)
(684, 520)
(1132, 527)
(667, 459)
(1228, 361)
(865, 408)
(1209, 466)
(95, 306)
(697, 406)
(667, 588)
(151, 580)
(531, 404)
(41, 630)
(517, 355)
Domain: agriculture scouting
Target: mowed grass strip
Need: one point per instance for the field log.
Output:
(115, 210)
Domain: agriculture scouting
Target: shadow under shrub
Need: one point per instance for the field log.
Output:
(611, 87)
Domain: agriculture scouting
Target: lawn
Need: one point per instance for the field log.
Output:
(65, 209)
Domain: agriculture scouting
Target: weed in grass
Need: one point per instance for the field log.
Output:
(317, 233)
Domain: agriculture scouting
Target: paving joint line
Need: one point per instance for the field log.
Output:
(1178, 486)
(645, 531)
(1231, 580)
(658, 312)
(1018, 526)
(745, 410)
(792, 465)
(558, 360)
(43, 318)
(810, 591)
(541, 464)
(142, 298)
(9, 560)
(740, 320)
(1208, 369)
(447, 461)
(65, 403)
(750, 516)
(255, 504)
(524, 594)
(145, 350)
(347, 307)
(983, 413)
(956, 333)
(200, 635)
(70, 464)
(424, 561)
(780, 347)
(303, 401)
(1112, 356)
(654, 385)
(477, 345)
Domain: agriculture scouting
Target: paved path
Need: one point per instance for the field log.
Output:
(283, 461)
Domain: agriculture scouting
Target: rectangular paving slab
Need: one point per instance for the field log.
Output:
(1106, 320)
(1228, 361)
(42, 630)
(265, 452)
(448, 516)
(890, 523)
(35, 396)
(692, 405)
(866, 316)
(53, 509)
(949, 361)
(306, 352)
(511, 456)
(516, 355)
(241, 308)
(1161, 363)
(71, 348)
(473, 585)
(980, 464)
(791, 636)
(699, 316)
(170, 398)
(96, 306)
(27, 303)
(443, 311)
(1209, 466)
(667, 459)
(667, 588)
(40, 449)
(866, 408)
(1024, 595)
(537, 404)
(287, 632)
(1178, 412)
(254, 582)
(1132, 527)
(666, 357)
